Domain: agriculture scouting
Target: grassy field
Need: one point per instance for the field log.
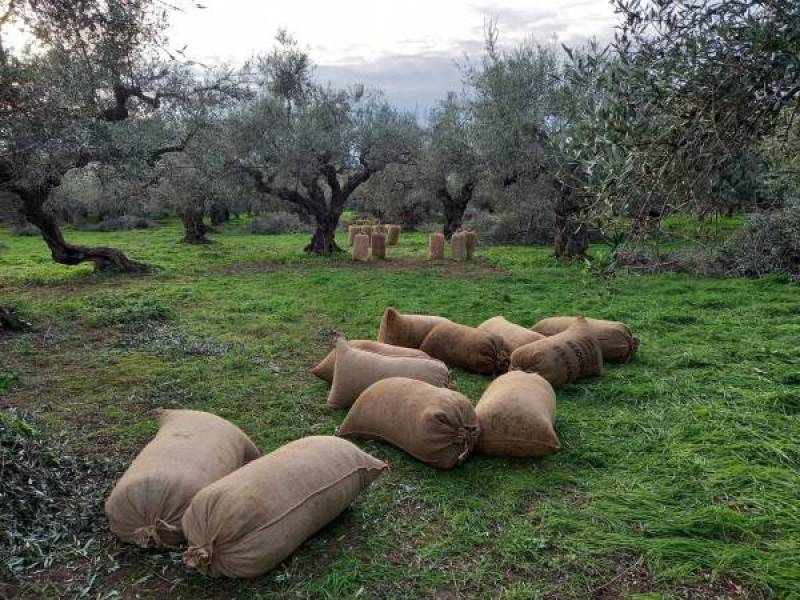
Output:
(678, 475)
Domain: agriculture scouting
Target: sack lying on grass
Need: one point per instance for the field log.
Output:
(250, 521)
(472, 243)
(512, 334)
(379, 246)
(563, 358)
(191, 450)
(406, 330)
(357, 369)
(436, 247)
(614, 337)
(324, 370)
(458, 245)
(435, 425)
(516, 415)
(393, 235)
(352, 232)
(361, 247)
(469, 348)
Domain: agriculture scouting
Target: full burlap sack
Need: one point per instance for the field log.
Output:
(324, 370)
(356, 370)
(378, 229)
(191, 450)
(435, 425)
(367, 231)
(393, 235)
(458, 244)
(436, 247)
(352, 232)
(513, 335)
(614, 337)
(250, 521)
(516, 415)
(361, 248)
(472, 243)
(563, 358)
(469, 348)
(406, 330)
(379, 246)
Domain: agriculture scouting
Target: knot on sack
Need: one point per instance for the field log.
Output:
(147, 536)
(502, 361)
(198, 557)
(468, 436)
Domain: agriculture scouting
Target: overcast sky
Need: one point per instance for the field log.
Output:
(408, 48)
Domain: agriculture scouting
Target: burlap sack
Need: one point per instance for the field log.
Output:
(513, 335)
(352, 232)
(357, 369)
(379, 246)
(435, 425)
(191, 450)
(469, 348)
(378, 229)
(472, 243)
(393, 235)
(458, 245)
(250, 521)
(367, 231)
(324, 370)
(406, 330)
(361, 248)
(614, 337)
(563, 358)
(436, 247)
(516, 414)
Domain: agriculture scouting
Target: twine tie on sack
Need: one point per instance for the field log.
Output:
(467, 436)
(147, 537)
(198, 557)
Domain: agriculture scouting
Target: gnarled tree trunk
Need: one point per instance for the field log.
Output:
(324, 240)
(194, 229)
(454, 206)
(104, 259)
(571, 235)
(219, 214)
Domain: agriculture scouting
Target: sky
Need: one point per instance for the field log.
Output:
(411, 49)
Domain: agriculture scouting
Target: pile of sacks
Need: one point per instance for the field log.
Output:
(462, 245)
(202, 481)
(370, 240)
(398, 390)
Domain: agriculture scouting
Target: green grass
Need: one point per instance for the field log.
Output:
(678, 475)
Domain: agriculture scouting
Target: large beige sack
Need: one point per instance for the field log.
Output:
(352, 232)
(367, 231)
(513, 335)
(394, 235)
(516, 414)
(250, 521)
(378, 229)
(356, 370)
(191, 450)
(436, 246)
(324, 370)
(469, 348)
(472, 243)
(406, 330)
(435, 425)
(379, 246)
(458, 245)
(614, 337)
(563, 358)
(361, 248)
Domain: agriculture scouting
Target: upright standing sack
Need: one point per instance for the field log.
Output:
(247, 523)
(436, 246)
(356, 370)
(614, 337)
(563, 358)
(324, 370)
(361, 248)
(516, 414)
(379, 246)
(469, 348)
(472, 243)
(352, 231)
(405, 329)
(513, 335)
(435, 425)
(393, 235)
(458, 245)
(191, 450)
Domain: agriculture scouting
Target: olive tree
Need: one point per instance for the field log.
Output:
(314, 146)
